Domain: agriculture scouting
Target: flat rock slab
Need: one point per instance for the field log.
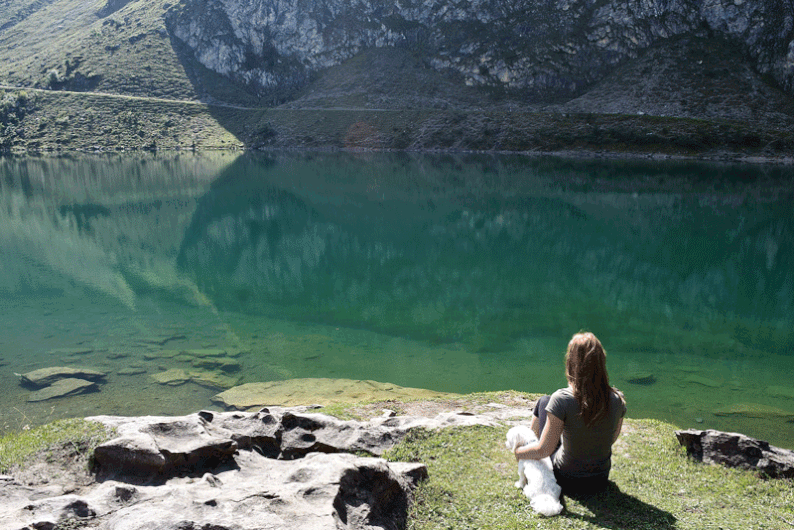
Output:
(320, 391)
(780, 391)
(737, 450)
(208, 352)
(641, 378)
(161, 340)
(755, 410)
(71, 351)
(47, 376)
(703, 381)
(63, 388)
(132, 370)
(275, 469)
(211, 379)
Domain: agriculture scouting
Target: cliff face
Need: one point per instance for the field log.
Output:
(542, 50)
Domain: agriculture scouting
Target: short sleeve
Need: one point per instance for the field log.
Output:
(558, 405)
(621, 403)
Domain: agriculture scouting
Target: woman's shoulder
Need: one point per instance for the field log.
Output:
(563, 394)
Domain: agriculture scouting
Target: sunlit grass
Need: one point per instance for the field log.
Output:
(80, 437)
(655, 486)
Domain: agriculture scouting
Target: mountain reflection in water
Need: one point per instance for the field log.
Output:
(456, 273)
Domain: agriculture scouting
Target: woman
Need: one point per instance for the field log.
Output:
(586, 416)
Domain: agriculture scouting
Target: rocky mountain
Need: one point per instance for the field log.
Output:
(515, 75)
(535, 51)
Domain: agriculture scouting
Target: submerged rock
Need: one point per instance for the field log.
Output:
(755, 410)
(47, 376)
(780, 391)
(178, 376)
(225, 364)
(213, 379)
(63, 388)
(703, 381)
(320, 391)
(132, 370)
(160, 340)
(209, 352)
(172, 377)
(641, 378)
(71, 351)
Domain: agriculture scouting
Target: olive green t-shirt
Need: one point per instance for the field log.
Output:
(585, 451)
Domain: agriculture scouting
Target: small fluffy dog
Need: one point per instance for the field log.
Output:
(535, 477)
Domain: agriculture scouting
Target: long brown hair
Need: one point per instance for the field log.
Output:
(586, 370)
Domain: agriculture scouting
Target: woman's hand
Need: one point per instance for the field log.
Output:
(549, 440)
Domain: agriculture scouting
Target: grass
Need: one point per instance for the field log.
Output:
(72, 436)
(655, 486)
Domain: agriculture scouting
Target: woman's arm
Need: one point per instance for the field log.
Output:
(617, 430)
(548, 441)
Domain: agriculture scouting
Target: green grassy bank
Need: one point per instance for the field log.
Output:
(655, 486)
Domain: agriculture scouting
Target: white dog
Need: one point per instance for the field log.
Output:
(535, 477)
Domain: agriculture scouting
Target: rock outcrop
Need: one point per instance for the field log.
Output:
(273, 469)
(737, 450)
(547, 50)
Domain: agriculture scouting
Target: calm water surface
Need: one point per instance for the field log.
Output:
(453, 273)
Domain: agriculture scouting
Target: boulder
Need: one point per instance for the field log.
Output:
(47, 376)
(63, 388)
(737, 450)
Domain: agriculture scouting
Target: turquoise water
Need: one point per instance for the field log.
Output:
(454, 273)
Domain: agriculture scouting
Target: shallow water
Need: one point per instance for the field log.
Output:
(454, 273)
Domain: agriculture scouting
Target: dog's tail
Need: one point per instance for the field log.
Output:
(546, 505)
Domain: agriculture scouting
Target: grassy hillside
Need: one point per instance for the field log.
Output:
(106, 74)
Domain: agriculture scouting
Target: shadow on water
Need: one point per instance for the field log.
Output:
(616, 510)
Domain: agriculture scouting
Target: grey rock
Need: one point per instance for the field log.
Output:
(546, 49)
(641, 378)
(63, 388)
(279, 468)
(737, 450)
(132, 370)
(161, 340)
(47, 376)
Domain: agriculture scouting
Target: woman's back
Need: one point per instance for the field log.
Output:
(586, 450)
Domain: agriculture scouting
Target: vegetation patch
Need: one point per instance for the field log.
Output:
(73, 439)
(654, 486)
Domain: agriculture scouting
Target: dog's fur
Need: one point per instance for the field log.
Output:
(535, 477)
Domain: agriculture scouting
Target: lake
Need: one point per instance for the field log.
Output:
(456, 273)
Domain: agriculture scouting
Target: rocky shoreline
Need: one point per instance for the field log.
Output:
(278, 468)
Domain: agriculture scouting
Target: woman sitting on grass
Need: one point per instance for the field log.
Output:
(587, 416)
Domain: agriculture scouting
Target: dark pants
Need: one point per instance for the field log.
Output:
(570, 485)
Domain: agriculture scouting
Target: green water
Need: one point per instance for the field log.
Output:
(454, 273)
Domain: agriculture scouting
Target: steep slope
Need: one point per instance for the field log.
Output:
(689, 77)
(540, 51)
(475, 74)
